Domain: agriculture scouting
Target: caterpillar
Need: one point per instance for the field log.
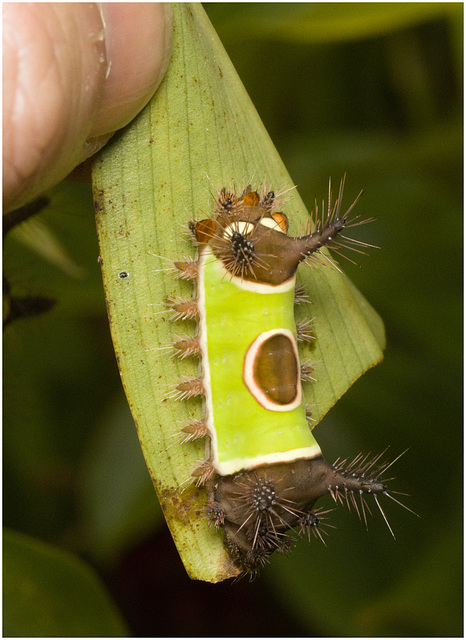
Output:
(264, 470)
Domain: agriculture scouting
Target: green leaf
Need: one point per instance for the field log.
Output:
(332, 22)
(37, 235)
(121, 512)
(199, 133)
(48, 592)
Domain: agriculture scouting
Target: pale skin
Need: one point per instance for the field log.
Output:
(73, 74)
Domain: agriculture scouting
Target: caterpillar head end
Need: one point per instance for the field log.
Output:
(260, 506)
(251, 238)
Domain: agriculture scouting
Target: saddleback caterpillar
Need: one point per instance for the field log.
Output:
(264, 470)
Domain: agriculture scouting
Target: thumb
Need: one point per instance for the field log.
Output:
(73, 74)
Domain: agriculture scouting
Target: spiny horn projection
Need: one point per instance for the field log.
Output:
(325, 230)
(364, 476)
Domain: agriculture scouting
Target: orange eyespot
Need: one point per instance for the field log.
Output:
(251, 199)
(205, 230)
(281, 220)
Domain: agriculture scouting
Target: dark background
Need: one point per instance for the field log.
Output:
(376, 92)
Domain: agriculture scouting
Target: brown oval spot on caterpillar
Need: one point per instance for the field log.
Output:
(271, 370)
(275, 369)
(205, 230)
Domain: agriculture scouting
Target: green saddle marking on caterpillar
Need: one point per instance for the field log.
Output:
(245, 434)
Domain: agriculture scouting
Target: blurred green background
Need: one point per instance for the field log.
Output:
(371, 89)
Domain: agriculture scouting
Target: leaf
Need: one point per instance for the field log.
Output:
(48, 592)
(334, 22)
(31, 230)
(199, 133)
(121, 512)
